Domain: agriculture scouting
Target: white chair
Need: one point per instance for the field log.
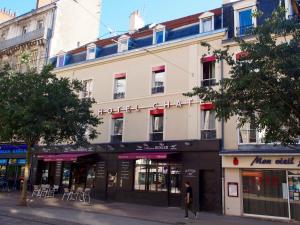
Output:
(36, 190)
(66, 194)
(44, 190)
(87, 195)
(53, 191)
(79, 194)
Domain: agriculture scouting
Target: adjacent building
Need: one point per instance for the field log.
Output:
(48, 29)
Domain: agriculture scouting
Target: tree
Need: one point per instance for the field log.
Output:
(263, 87)
(41, 108)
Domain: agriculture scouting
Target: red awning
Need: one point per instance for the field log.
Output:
(65, 157)
(145, 155)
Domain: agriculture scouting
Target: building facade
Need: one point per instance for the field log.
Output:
(41, 33)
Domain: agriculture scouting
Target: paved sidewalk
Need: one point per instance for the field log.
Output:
(99, 213)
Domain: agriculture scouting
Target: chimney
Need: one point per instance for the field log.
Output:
(6, 15)
(135, 22)
(41, 3)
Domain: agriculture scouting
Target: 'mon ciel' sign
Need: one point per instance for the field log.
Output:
(156, 105)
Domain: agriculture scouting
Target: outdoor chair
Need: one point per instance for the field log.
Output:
(52, 191)
(44, 190)
(36, 190)
(78, 194)
(87, 195)
(67, 194)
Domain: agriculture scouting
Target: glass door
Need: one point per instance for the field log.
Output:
(265, 193)
(294, 193)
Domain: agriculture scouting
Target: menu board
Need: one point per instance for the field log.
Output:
(125, 170)
(58, 169)
(294, 188)
(101, 173)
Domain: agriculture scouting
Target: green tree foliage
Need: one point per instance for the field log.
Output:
(265, 82)
(41, 108)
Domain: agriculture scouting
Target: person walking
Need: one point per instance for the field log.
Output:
(188, 200)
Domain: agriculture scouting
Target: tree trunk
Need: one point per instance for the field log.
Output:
(23, 201)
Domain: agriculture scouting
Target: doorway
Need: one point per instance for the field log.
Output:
(208, 191)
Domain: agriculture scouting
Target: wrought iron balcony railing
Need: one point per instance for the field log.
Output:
(244, 30)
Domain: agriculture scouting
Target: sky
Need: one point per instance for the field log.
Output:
(115, 13)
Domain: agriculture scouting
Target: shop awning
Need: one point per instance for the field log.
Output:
(146, 155)
(65, 157)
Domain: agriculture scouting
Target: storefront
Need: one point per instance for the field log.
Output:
(262, 185)
(154, 173)
(12, 166)
(68, 170)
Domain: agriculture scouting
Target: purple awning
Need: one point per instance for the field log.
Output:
(145, 155)
(65, 157)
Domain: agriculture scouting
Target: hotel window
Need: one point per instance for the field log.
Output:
(157, 126)
(123, 43)
(207, 22)
(245, 22)
(24, 30)
(158, 79)
(208, 71)
(120, 86)
(248, 134)
(117, 128)
(87, 89)
(208, 125)
(159, 34)
(91, 52)
(151, 176)
(34, 58)
(40, 24)
(60, 60)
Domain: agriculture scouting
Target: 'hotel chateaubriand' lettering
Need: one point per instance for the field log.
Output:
(156, 105)
(280, 161)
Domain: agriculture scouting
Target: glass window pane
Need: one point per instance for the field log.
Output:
(120, 85)
(66, 174)
(140, 177)
(158, 79)
(209, 120)
(159, 37)
(118, 126)
(175, 178)
(158, 123)
(207, 25)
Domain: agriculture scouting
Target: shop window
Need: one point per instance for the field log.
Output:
(87, 89)
(66, 175)
(157, 176)
(158, 80)
(117, 130)
(91, 177)
(265, 193)
(120, 87)
(208, 71)
(208, 127)
(248, 134)
(157, 127)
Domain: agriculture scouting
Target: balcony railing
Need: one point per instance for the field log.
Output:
(30, 36)
(251, 136)
(156, 90)
(244, 30)
(119, 95)
(208, 134)
(208, 82)
(116, 138)
(295, 17)
(157, 136)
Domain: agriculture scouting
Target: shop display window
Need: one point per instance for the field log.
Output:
(91, 177)
(66, 175)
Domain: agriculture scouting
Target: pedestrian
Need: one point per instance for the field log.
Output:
(188, 200)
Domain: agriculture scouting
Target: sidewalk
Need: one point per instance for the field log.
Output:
(81, 213)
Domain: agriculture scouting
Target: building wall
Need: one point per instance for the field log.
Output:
(75, 24)
(183, 71)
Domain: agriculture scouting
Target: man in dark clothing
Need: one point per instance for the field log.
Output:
(188, 200)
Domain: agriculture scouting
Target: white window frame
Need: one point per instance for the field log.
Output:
(89, 55)
(87, 93)
(121, 46)
(289, 8)
(157, 29)
(205, 16)
(113, 127)
(58, 59)
(242, 6)
(115, 86)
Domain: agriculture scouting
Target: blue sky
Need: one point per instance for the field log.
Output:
(115, 13)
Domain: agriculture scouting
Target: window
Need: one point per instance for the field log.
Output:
(120, 86)
(60, 60)
(248, 134)
(157, 176)
(158, 80)
(117, 130)
(208, 71)
(91, 177)
(207, 24)
(159, 34)
(91, 52)
(24, 30)
(208, 127)
(3, 35)
(34, 58)
(66, 175)
(40, 24)
(157, 127)
(123, 43)
(87, 89)
(245, 22)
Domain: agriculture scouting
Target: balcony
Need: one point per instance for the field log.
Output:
(208, 82)
(157, 136)
(156, 90)
(116, 138)
(251, 136)
(208, 134)
(30, 36)
(244, 30)
(119, 95)
(295, 17)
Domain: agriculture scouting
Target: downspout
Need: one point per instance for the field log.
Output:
(222, 144)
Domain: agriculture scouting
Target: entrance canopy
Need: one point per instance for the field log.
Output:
(64, 157)
(146, 155)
